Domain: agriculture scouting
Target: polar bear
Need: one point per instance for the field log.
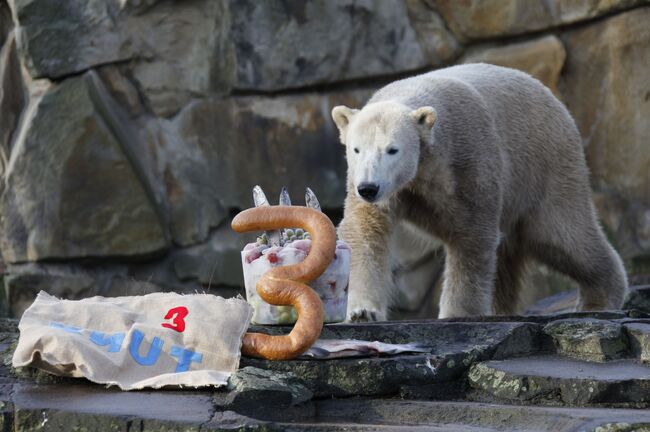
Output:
(488, 161)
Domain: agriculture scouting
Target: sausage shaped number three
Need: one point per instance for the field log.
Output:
(287, 285)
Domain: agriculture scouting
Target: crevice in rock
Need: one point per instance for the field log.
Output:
(107, 111)
(368, 83)
(60, 78)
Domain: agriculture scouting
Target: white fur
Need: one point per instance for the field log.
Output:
(490, 162)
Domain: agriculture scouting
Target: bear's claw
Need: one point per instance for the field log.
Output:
(363, 315)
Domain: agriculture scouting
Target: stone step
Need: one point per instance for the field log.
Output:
(94, 408)
(354, 427)
(483, 416)
(482, 351)
(437, 334)
(556, 380)
(66, 417)
(589, 339)
(639, 337)
(454, 347)
(369, 376)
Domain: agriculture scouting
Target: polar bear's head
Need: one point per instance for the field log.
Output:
(383, 144)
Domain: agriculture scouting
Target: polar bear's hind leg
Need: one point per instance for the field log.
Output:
(571, 241)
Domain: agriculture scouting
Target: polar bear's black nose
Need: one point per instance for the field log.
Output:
(368, 191)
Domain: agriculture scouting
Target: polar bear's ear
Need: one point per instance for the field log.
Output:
(424, 116)
(342, 116)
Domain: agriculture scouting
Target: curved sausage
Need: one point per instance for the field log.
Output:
(287, 285)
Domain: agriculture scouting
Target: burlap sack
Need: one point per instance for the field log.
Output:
(156, 340)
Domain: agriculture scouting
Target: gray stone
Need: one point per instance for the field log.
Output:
(638, 279)
(104, 404)
(159, 272)
(638, 297)
(46, 421)
(167, 426)
(6, 22)
(253, 387)
(169, 60)
(479, 336)
(121, 88)
(507, 390)
(481, 19)
(472, 416)
(71, 188)
(190, 186)
(212, 154)
(23, 285)
(282, 141)
(623, 426)
(542, 58)
(558, 380)
(307, 43)
(639, 335)
(368, 376)
(4, 298)
(71, 281)
(134, 146)
(605, 88)
(216, 262)
(454, 347)
(116, 285)
(575, 11)
(137, 6)
(362, 414)
(8, 325)
(188, 270)
(545, 319)
(12, 97)
(58, 39)
(438, 43)
(588, 339)
(254, 45)
(186, 52)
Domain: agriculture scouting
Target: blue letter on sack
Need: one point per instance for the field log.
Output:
(66, 328)
(185, 358)
(113, 341)
(154, 349)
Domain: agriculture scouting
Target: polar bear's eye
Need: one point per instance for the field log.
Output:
(392, 151)
(356, 149)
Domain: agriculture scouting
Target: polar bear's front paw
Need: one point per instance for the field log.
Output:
(361, 314)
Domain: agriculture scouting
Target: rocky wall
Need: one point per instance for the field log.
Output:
(132, 130)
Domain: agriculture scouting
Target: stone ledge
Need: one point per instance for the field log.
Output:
(555, 380)
(509, 362)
